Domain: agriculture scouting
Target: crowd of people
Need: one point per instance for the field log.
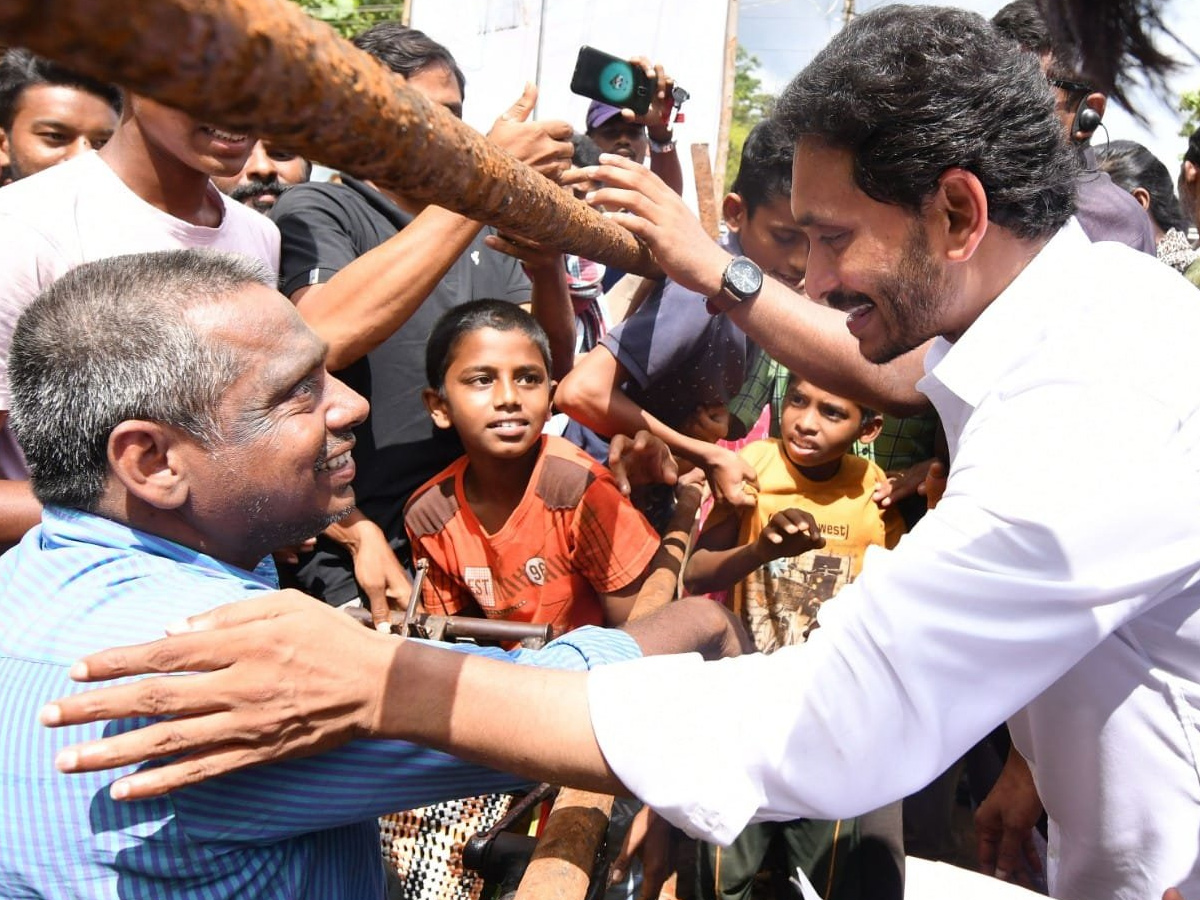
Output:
(223, 380)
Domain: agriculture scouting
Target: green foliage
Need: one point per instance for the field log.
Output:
(349, 17)
(751, 104)
(1189, 105)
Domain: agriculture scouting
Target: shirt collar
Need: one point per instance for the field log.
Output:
(62, 528)
(1009, 329)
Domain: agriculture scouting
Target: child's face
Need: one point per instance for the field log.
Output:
(771, 238)
(818, 427)
(497, 393)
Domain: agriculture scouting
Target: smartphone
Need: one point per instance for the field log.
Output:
(611, 80)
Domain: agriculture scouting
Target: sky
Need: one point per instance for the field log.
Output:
(785, 34)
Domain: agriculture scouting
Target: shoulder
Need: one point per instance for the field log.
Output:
(318, 198)
(435, 503)
(761, 453)
(566, 473)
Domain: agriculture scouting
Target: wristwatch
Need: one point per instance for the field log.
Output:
(742, 281)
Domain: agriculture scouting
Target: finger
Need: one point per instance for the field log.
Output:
(1009, 854)
(197, 767)
(183, 652)
(262, 608)
(561, 132)
(148, 697)
(163, 738)
(520, 110)
(380, 611)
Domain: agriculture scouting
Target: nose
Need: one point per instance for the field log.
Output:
(820, 275)
(260, 166)
(346, 408)
(505, 392)
(807, 421)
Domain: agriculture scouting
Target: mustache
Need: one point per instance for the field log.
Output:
(255, 188)
(335, 440)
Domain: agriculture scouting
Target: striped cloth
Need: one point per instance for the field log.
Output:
(298, 829)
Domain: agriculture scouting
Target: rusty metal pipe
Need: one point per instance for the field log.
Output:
(561, 866)
(266, 67)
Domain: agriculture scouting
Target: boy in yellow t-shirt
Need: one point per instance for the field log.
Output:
(804, 539)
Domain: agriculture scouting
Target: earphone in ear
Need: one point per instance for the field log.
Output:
(1087, 119)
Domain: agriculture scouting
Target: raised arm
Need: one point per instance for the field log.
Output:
(802, 335)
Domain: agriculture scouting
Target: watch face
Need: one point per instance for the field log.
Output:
(744, 277)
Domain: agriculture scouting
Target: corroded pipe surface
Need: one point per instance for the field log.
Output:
(561, 866)
(266, 67)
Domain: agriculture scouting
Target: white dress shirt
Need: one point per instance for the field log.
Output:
(1056, 585)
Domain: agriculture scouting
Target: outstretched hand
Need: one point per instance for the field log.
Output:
(659, 217)
(277, 676)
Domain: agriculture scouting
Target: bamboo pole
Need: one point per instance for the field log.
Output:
(266, 67)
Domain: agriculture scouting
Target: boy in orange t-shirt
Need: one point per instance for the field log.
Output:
(524, 527)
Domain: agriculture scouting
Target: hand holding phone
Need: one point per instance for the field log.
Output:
(609, 79)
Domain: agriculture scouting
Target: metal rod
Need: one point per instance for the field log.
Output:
(562, 865)
(266, 67)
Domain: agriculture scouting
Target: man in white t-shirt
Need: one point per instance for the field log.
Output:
(147, 189)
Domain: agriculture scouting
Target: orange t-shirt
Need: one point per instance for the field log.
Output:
(572, 537)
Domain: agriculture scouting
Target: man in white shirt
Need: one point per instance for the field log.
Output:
(1056, 589)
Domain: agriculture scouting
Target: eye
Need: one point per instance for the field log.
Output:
(531, 378)
(834, 239)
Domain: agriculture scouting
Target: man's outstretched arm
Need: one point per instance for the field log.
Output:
(283, 676)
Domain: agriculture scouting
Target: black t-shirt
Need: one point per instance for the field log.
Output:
(325, 227)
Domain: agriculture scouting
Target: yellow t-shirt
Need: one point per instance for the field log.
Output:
(779, 601)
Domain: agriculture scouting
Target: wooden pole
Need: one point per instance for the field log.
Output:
(730, 70)
(707, 199)
(266, 67)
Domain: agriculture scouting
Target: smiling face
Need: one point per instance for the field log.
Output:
(51, 124)
(819, 428)
(496, 394)
(196, 145)
(868, 258)
(283, 470)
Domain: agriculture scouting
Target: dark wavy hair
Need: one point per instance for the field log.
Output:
(912, 91)
(765, 171)
(407, 51)
(1132, 166)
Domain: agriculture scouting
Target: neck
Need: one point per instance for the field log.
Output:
(494, 487)
(171, 525)
(999, 259)
(159, 178)
(823, 472)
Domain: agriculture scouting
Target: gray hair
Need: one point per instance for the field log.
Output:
(110, 341)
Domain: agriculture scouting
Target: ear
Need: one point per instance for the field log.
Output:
(439, 409)
(959, 214)
(1142, 196)
(733, 210)
(5, 158)
(870, 429)
(550, 406)
(145, 457)
(1191, 172)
